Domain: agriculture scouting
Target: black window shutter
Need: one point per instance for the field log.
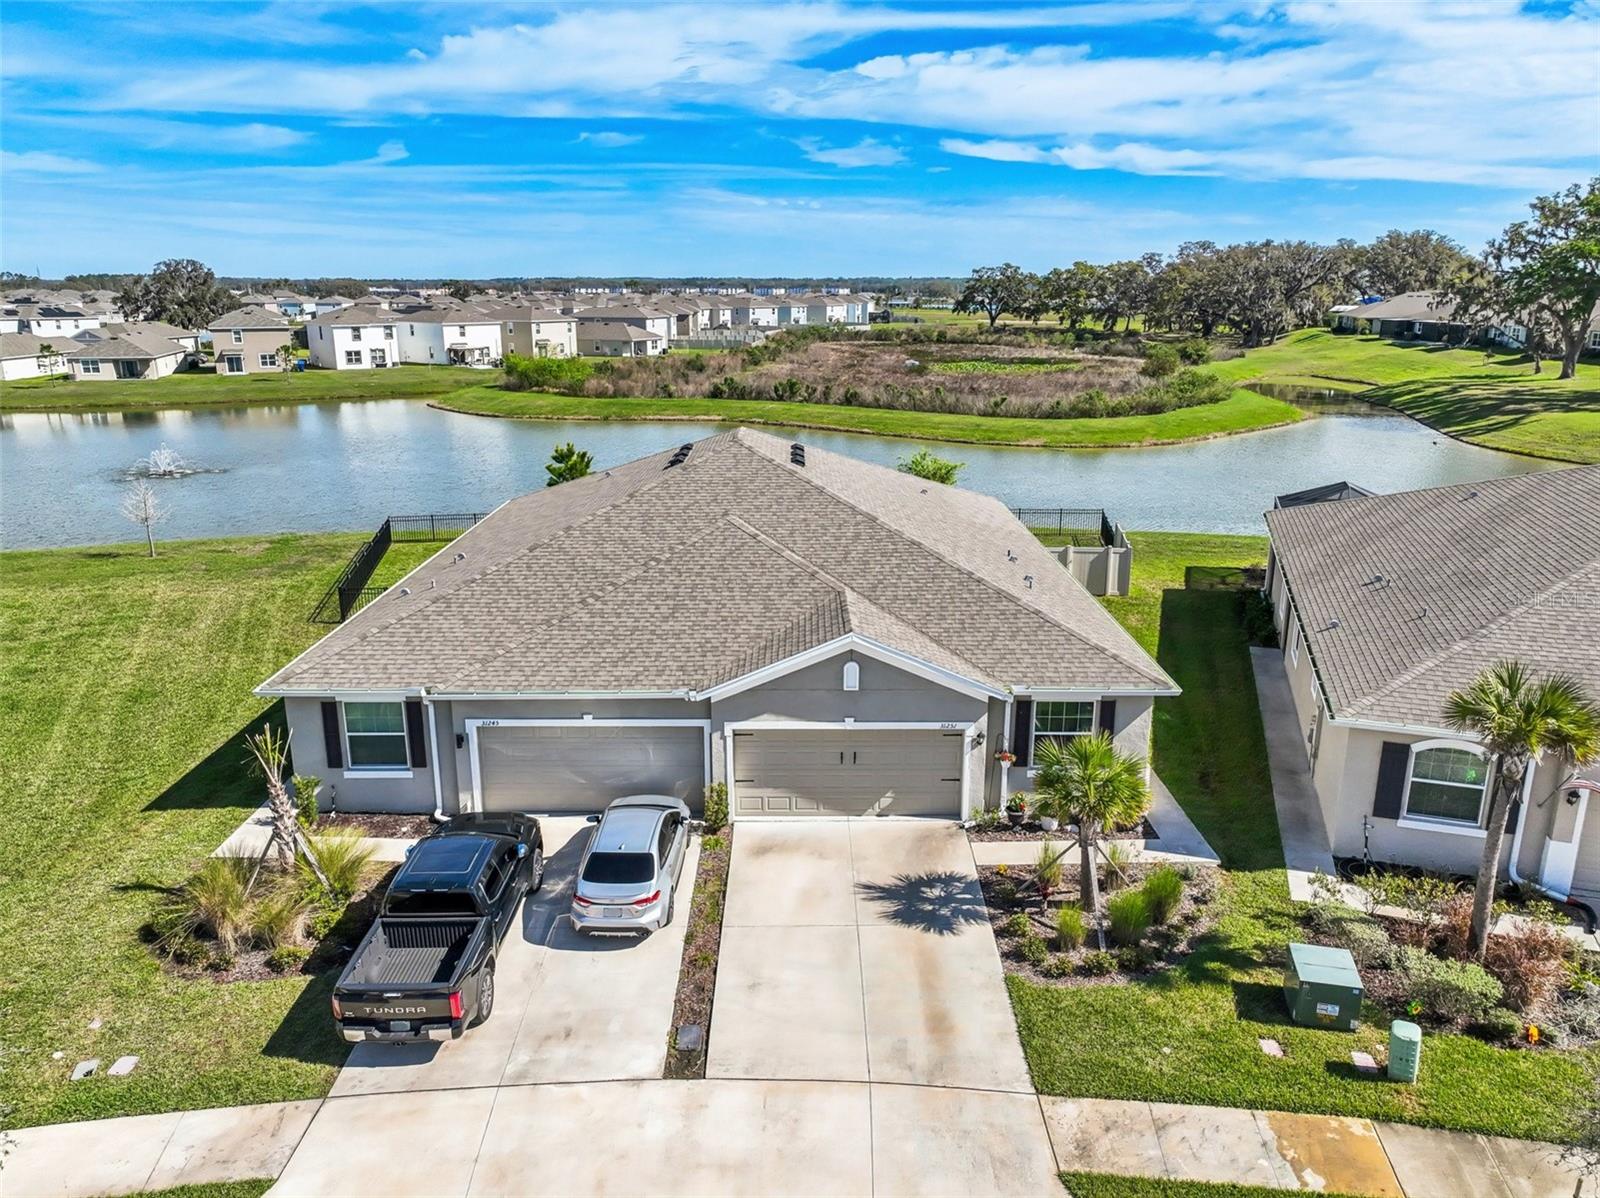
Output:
(1393, 763)
(1108, 716)
(1021, 730)
(332, 742)
(1512, 813)
(416, 740)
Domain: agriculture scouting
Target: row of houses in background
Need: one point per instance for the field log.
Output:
(1431, 316)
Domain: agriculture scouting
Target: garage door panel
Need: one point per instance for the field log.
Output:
(854, 773)
(581, 769)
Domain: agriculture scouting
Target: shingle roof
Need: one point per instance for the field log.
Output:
(655, 577)
(27, 345)
(249, 317)
(358, 315)
(1411, 305)
(611, 330)
(127, 343)
(1407, 597)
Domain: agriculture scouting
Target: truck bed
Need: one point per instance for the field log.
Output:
(411, 952)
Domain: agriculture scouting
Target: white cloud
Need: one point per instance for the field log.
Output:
(610, 138)
(42, 162)
(391, 151)
(995, 150)
(866, 152)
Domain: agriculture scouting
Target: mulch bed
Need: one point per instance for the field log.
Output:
(405, 827)
(1163, 947)
(697, 974)
(1030, 830)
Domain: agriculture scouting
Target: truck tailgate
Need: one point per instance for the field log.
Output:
(380, 1008)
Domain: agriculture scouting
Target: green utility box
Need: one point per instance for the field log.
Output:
(1405, 1051)
(1322, 987)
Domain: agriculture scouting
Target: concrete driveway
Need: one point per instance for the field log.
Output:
(568, 1008)
(861, 951)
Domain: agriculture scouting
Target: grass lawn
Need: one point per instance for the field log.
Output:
(1493, 399)
(1106, 1185)
(1190, 1035)
(124, 686)
(1244, 411)
(202, 388)
(216, 1189)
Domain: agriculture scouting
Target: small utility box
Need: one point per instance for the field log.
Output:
(1323, 987)
(1405, 1051)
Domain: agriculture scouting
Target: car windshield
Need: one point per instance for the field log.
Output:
(614, 869)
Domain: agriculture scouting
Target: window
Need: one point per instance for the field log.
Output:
(1447, 783)
(852, 676)
(1059, 722)
(619, 869)
(1294, 644)
(461, 330)
(355, 334)
(669, 827)
(376, 735)
(89, 366)
(388, 332)
(352, 357)
(267, 361)
(319, 332)
(1594, 339)
(233, 364)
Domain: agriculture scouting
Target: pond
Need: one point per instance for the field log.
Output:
(318, 467)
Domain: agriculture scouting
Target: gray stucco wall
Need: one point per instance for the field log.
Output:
(350, 790)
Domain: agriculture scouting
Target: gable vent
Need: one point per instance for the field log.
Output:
(678, 456)
(797, 454)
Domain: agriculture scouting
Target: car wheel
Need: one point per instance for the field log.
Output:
(537, 871)
(485, 996)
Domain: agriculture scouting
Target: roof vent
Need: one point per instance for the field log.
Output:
(1028, 581)
(678, 456)
(459, 557)
(797, 454)
(404, 591)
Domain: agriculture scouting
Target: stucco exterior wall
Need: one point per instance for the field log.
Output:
(351, 790)
(251, 345)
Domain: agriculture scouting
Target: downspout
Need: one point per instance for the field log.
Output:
(438, 789)
(1005, 739)
(1585, 912)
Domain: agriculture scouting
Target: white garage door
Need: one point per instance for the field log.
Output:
(544, 767)
(902, 772)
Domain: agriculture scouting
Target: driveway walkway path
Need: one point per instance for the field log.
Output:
(1305, 837)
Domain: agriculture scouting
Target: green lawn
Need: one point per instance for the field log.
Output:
(202, 388)
(1105, 1185)
(1493, 399)
(1244, 411)
(1190, 1036)
(216, 1189)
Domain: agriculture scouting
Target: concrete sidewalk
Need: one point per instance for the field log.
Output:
(1305, 837)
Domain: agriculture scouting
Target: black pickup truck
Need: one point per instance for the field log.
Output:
(425, 970)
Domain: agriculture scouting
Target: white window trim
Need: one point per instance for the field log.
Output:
(1033, 726)
(852, 676)
(1434, 823)
(237, 336)
(266, 361)
(375, 771)
(1294, 644)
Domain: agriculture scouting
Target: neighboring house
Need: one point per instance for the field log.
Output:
(1384, 604)
(1411, 316)
(183, 338)
(792, 310)
(536, 333)
(454, 336)
(128, 354)
(752, 310)
(651, 320)
(249, 340)
(54, 320)
(28, 356)
(829, 309)
(610, 339)
(355, 339)
(827, 636)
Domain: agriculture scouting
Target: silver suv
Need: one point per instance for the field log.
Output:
(629, 872)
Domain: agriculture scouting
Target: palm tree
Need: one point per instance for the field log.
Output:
(1518, 719)
(269, 752)
(1089, 783)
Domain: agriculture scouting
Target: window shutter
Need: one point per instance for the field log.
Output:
(1511, 814)
(1021, 728)
(1393, 763)
(416, 739)
(332, 742)
(1108, 716)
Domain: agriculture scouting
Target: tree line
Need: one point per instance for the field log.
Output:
(1542, 273)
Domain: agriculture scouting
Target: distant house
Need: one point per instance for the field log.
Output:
(792, 309)
(753, 310)
(538, 333)
(827, 309)
(357, 338)
(454, 335)
(249, 340)
(613, 339)
(1411, 316)
(186, 339)
(29, 356)
(53, 320)
(651, 320)
(1384, 605)
(127, 354)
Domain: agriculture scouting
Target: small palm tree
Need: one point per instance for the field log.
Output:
(269, 750)
(1089, 783)
(1518, 719)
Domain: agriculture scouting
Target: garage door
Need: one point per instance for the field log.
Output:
(848, 773)
(570, 769)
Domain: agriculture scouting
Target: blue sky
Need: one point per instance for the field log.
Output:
(774, 138)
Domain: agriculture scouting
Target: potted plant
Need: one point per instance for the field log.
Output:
(1017, 809)
(1005, 758)
(1047, 813)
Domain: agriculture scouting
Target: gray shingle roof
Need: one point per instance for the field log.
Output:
(610, 330)
(1410, 305)
(27, 345)
(126, 344)
(249, 317)
(1429, 587)
(650, 577)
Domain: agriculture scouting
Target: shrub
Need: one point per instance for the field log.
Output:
(323, 920)
(278, 918)
(1069, 928)
(1367, 941)
(287, 958)
(1097, 964)
(1164, 891)
(1575, 1018)
(1531, 964)
(1016, 924)
(1005, 891)
(1033, 950)
(343, 859)
(1047, 869)
(1132, 958)
(213, 902)
(1449, 990)
(1194, 351)
(524, 373)
(1119, 858)
(1497, 1025)
(305, 788)
(1128, 915)
(716, 807)
(1058, 967)
(1159, 361)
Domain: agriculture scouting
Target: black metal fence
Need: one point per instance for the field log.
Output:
(1085, 525)
(350, 592)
